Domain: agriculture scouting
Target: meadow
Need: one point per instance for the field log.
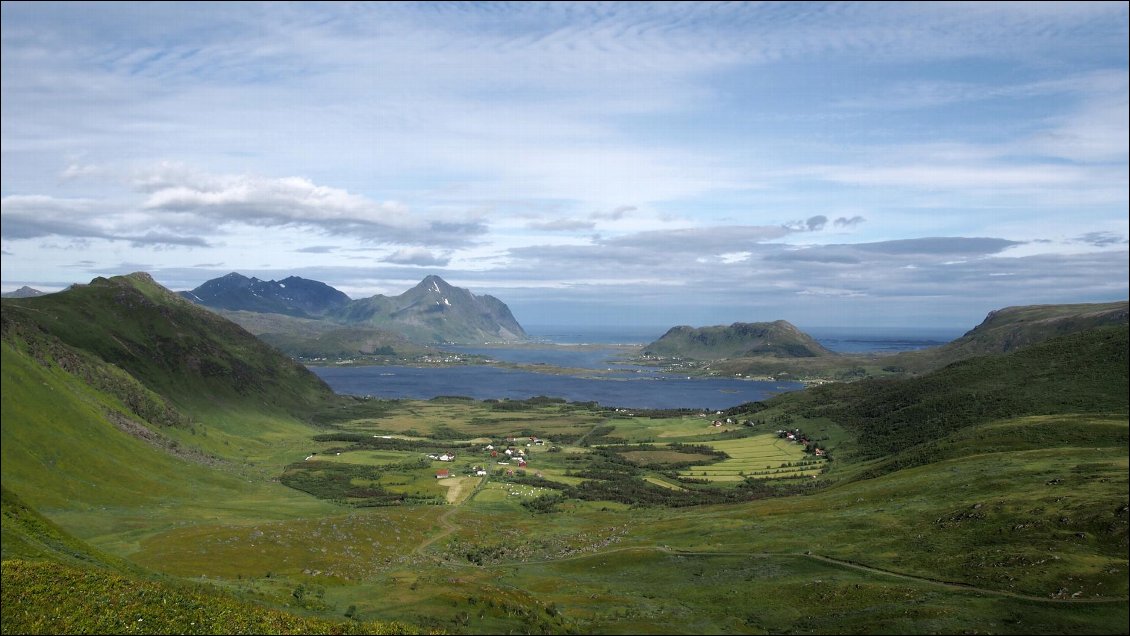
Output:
(989, 496)
(978, 541)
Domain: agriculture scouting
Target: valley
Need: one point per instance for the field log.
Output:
(157, 458)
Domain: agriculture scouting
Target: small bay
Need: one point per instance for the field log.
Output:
(481, 382)
(615, 382)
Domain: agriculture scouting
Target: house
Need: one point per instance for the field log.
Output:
(819, 452)
(447, 458)
(443, 473)
(480, 473)
(521, 463)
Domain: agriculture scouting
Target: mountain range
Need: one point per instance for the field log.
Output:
(433, 311)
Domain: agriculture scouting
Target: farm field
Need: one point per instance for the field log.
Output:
(765, 456)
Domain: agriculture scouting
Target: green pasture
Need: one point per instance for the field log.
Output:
(763, 456)
(465, 420)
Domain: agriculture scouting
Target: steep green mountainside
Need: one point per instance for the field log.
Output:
(308, 339)
(1081, 373)
(1014, 328)
(778, 339)
(26, 534)
(80, 434)
(183, 352)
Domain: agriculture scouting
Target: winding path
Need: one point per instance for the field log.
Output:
(450, 528)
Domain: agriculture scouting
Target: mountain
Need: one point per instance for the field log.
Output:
(23, 292)
(291, 296)
(431, 312)
(778, 339)
(1014, 328)
(435, 311)
(175, 348)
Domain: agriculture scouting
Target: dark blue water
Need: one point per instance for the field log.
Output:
(630, 390)
(569, 356)
(889, 340)
(591, 347)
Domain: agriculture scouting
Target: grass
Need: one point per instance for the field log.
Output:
(99, 602)
(763, 456)
(1009, 515)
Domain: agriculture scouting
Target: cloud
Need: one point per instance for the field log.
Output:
(1101, 239)
(561, 225)
(268, 201)
(317, 249)
(295, 201)
(939, 246)
(849, 222)
(38, 216)
(166, 240)
(417, 256)
(33, 216)
(614, 214)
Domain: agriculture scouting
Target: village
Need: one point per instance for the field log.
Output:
(510, 457)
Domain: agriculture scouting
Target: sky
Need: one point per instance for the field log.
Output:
(831, 164)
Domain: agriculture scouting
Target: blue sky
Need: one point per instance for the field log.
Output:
(855, 164)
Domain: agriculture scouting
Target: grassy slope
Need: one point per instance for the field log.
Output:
(87, 442)
(190, 355)
(1014, 328)
(1021, 492)
(1085, 372)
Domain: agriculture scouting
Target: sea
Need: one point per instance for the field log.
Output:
(598, 372)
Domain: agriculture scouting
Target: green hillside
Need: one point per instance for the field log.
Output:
(307, 339)
(1014, 328)
(183, 352)
(1085, 372)
(778, 339)
(152, 484)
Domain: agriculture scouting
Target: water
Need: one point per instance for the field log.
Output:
(646, 389)
(597, 348)
(838, 339)
(889, 340)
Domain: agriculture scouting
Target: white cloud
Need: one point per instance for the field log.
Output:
(670, 146)
(417, 256)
